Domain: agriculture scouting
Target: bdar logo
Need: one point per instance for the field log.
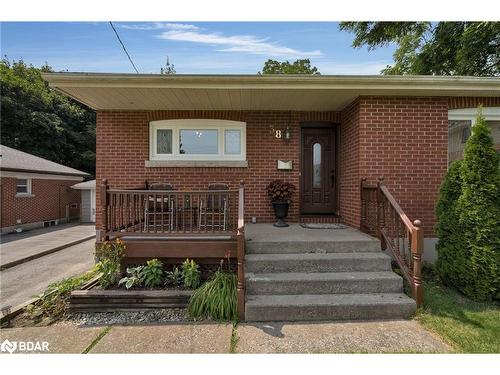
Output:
(8, 346)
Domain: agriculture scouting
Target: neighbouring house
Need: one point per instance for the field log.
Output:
(87, 206)
(36, 192)
(183, 162)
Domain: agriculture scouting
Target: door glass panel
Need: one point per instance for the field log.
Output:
(316, 165)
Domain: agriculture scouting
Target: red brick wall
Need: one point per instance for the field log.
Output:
(402, 139)
(48, 203)
(471, 102)
(405, 141)
(122, 148)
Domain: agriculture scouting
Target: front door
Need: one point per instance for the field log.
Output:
(318, 172)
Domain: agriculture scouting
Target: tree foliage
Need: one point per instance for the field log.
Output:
(468, 214)
(443, 48)
(301, 66)
(43, 122)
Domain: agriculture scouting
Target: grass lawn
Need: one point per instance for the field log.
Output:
(468, 326)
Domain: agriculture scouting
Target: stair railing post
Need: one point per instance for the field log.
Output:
(104, 210)
(380, 212)
(417, 248)
(363, 204)
(240, 250)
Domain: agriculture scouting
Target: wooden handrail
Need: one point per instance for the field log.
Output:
(382, 215)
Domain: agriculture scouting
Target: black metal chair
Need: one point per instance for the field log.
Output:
(214, 208)
(159, 211)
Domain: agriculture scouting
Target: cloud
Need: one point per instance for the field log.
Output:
(159, 26)
(236, 43)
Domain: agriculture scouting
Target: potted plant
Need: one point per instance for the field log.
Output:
(280, 193)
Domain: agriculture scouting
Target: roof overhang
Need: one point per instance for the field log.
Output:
(102, 91)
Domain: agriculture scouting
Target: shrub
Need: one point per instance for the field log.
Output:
(280, 191)
(174, 277)
(479, 213)
(451, 264)
(53, 304)
(191, 273)
(110, 255)
(133, 277)
(152, 274)
(215, 299)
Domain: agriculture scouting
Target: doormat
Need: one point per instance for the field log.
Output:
(322, 226)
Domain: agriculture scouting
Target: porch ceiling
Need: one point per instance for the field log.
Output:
(253, 92)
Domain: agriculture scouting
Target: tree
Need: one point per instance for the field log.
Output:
(168, 69)
(443, 48)
(479, 213)
(452, 261)
(43, 122)
(302, 66)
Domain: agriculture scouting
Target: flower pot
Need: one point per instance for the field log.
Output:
(280, 211)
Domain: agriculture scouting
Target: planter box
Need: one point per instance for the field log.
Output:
(95, 300)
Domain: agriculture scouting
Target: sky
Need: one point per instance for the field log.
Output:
(193, 47)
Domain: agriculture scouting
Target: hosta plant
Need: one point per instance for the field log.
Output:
(191, 272)
(174, 277)
(133, 277)
(152, 274)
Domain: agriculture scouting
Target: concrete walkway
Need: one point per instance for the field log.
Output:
(365, 337)
(400, 336)
(24, 247)
(20, 283)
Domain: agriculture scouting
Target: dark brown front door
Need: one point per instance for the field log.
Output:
(318, 172)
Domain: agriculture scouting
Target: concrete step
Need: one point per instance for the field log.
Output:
(321, 247)
(309, 307)
(330, 262)
(323, 283)
(312, 247)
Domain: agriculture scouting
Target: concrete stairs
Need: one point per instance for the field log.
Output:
(295, 274)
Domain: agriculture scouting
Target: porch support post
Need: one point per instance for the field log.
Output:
(362, 224)
(104, 210)
(240, 250)
(417, 248)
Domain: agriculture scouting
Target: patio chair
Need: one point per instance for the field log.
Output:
(214, 208)
(159, 212)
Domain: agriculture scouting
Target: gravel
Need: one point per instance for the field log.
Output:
(129, 317)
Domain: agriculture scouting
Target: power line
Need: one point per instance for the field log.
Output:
(123, 46)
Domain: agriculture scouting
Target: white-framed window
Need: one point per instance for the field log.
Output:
(23, 186)
(461, 125)
(197, 140)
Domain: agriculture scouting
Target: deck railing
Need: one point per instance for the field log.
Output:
(178, 214)
(382, 216)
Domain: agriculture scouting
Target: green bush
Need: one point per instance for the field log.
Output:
(451, 264)
(191, 273)
(479, 213)
(152, 274)
(133, 277)
(215, 299)
(174, 277)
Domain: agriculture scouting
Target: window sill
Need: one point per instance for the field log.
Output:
(196, 164)
(24, 195)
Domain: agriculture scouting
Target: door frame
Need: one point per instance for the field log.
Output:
(335, 126)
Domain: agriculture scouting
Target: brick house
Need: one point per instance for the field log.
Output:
(324, 134)
(36, 192)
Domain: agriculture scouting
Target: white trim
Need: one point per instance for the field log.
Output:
(190, 124)
(489, 114)
(39, 176)
(29, 190)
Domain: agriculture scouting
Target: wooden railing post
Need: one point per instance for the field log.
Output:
(240, 237)
(363, 204)
(417, 247)
(380, 212)
(104, 209)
